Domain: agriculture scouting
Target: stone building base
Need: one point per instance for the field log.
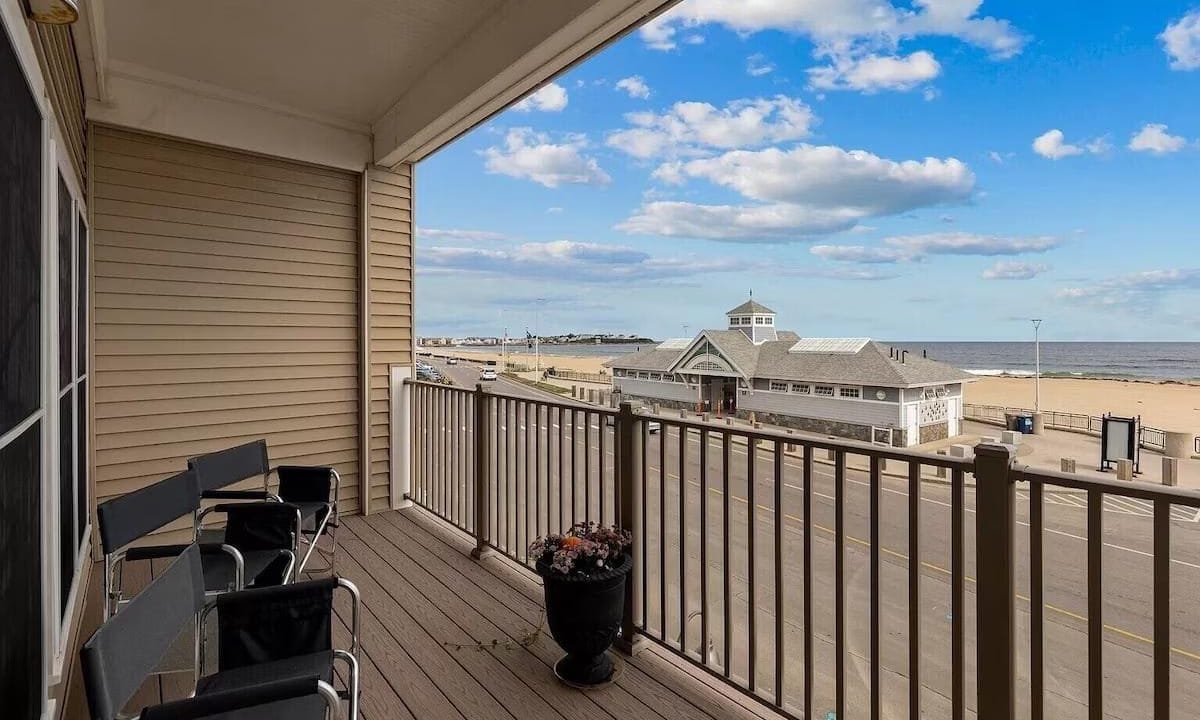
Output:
(930, 433)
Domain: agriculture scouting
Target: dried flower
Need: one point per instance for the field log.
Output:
(585, 548)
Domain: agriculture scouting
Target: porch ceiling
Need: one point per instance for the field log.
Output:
(391, 79)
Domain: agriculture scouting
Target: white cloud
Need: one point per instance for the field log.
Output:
(554, 211)
(689, 128)
(1052, 144)
(859, 254)
(1012, 270)
(800, 193)
(635, 86)
(569, 261)
(1136, 290)
(457, 234)
(872, 73)
(876, 23)
(758, 65)
(914, 248)
(532, 156)
(1181, 41)
(826, 176)
(548, 98)
(778, 222)
(1154, 138)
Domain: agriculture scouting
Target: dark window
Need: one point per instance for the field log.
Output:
(81, 324)
(66, 495)
(66, 303)
(20, 245)
(21, 589)
(81, 474)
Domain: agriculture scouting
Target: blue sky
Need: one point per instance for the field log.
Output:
(924, 169)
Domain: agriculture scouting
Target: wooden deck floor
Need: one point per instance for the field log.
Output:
(423, 594)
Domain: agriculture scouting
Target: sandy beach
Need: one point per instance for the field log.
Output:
(1166, 405)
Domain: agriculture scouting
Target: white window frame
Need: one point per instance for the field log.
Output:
(850, 392)
(817, 390)
(805, 388)
(777, 386)
(760, 321)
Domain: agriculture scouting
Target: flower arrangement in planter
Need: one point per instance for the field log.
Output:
(584, 573)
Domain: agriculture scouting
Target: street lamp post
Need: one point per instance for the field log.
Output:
(537, 337)
(1037, 366)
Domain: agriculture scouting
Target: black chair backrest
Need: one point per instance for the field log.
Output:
(298, 483)
(261, 526)
(119, 656)
(136, 514)
(220, 469)
(274, 623)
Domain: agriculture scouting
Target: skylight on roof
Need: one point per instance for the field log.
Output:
(846, 346)
(675, 344)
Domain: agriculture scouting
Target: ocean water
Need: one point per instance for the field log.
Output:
(1160, 361)
(1142, 360)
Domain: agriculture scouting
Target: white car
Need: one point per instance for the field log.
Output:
(452, 361)
(487, 374)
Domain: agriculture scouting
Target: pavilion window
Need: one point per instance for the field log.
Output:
(778, 386)
(824, 390)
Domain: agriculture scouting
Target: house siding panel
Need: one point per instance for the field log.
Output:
(849, 411)
(226, 309)
(55, 47)
(389, 292)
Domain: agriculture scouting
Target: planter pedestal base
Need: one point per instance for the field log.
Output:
(588, 673)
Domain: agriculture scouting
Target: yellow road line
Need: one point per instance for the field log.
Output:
(938, 568)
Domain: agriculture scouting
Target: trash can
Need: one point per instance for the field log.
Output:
(1024, 424)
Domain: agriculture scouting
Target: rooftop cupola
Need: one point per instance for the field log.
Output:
(754, 320)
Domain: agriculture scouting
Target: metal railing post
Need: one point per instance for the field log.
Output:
(482, 429)
(995, 646)
(628, 452)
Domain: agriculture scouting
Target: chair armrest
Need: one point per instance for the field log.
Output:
(227, 701)
(238, 495)
(154, 552)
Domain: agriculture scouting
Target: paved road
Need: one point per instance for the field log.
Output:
(1127, 574)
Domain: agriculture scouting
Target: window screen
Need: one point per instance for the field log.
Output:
(66, 303)
(81, 325)
(20, 245)
(81, 479)
(66, 496)
(21, 591)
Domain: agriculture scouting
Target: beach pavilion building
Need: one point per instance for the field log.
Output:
(848, 387)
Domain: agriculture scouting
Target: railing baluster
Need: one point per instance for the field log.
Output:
(1037, 602)
(537, 473)
(876, 690)
(751, 526)
(914, 590)
(726, 659)
(645, 440)
(957, 698)
(808, 608)
(1162, 608)
(779, 604)
(558, 415)
(662, 532)
(839, 575)
(574, 467)
(682, 542)
(1095, 601)
(587, 465)
(704, 547)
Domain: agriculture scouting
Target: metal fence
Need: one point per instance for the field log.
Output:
(738, 570)
(603, 378)
(1150, 438)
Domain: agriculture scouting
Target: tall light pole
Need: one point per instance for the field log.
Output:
(1037, 366)
(537, 336)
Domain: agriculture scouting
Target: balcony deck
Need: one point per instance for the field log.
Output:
(423, 592)
(422, 595)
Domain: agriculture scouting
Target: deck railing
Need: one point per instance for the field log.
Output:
(1151, 438)
(749, 555)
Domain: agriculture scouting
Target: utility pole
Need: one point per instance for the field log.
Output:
(1037, 366)
(537, 337)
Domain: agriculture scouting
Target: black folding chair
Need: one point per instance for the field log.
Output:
(313, 489)
(235, 561)
(275, 654)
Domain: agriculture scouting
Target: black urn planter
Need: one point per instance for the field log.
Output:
(584, 615)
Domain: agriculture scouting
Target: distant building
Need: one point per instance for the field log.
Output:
(848, 387)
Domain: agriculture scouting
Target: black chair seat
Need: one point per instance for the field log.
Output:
(262, 567)
(318, 664)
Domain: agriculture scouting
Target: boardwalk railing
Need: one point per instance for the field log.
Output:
(602, 378)
(1151, 438)
(749, 555)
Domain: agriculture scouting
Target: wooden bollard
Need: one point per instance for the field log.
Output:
(1067, 465)
(1170, 471)
(1125, 469)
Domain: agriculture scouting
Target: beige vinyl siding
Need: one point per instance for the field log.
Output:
(226, 309)
(56, 52)
(391, 320)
